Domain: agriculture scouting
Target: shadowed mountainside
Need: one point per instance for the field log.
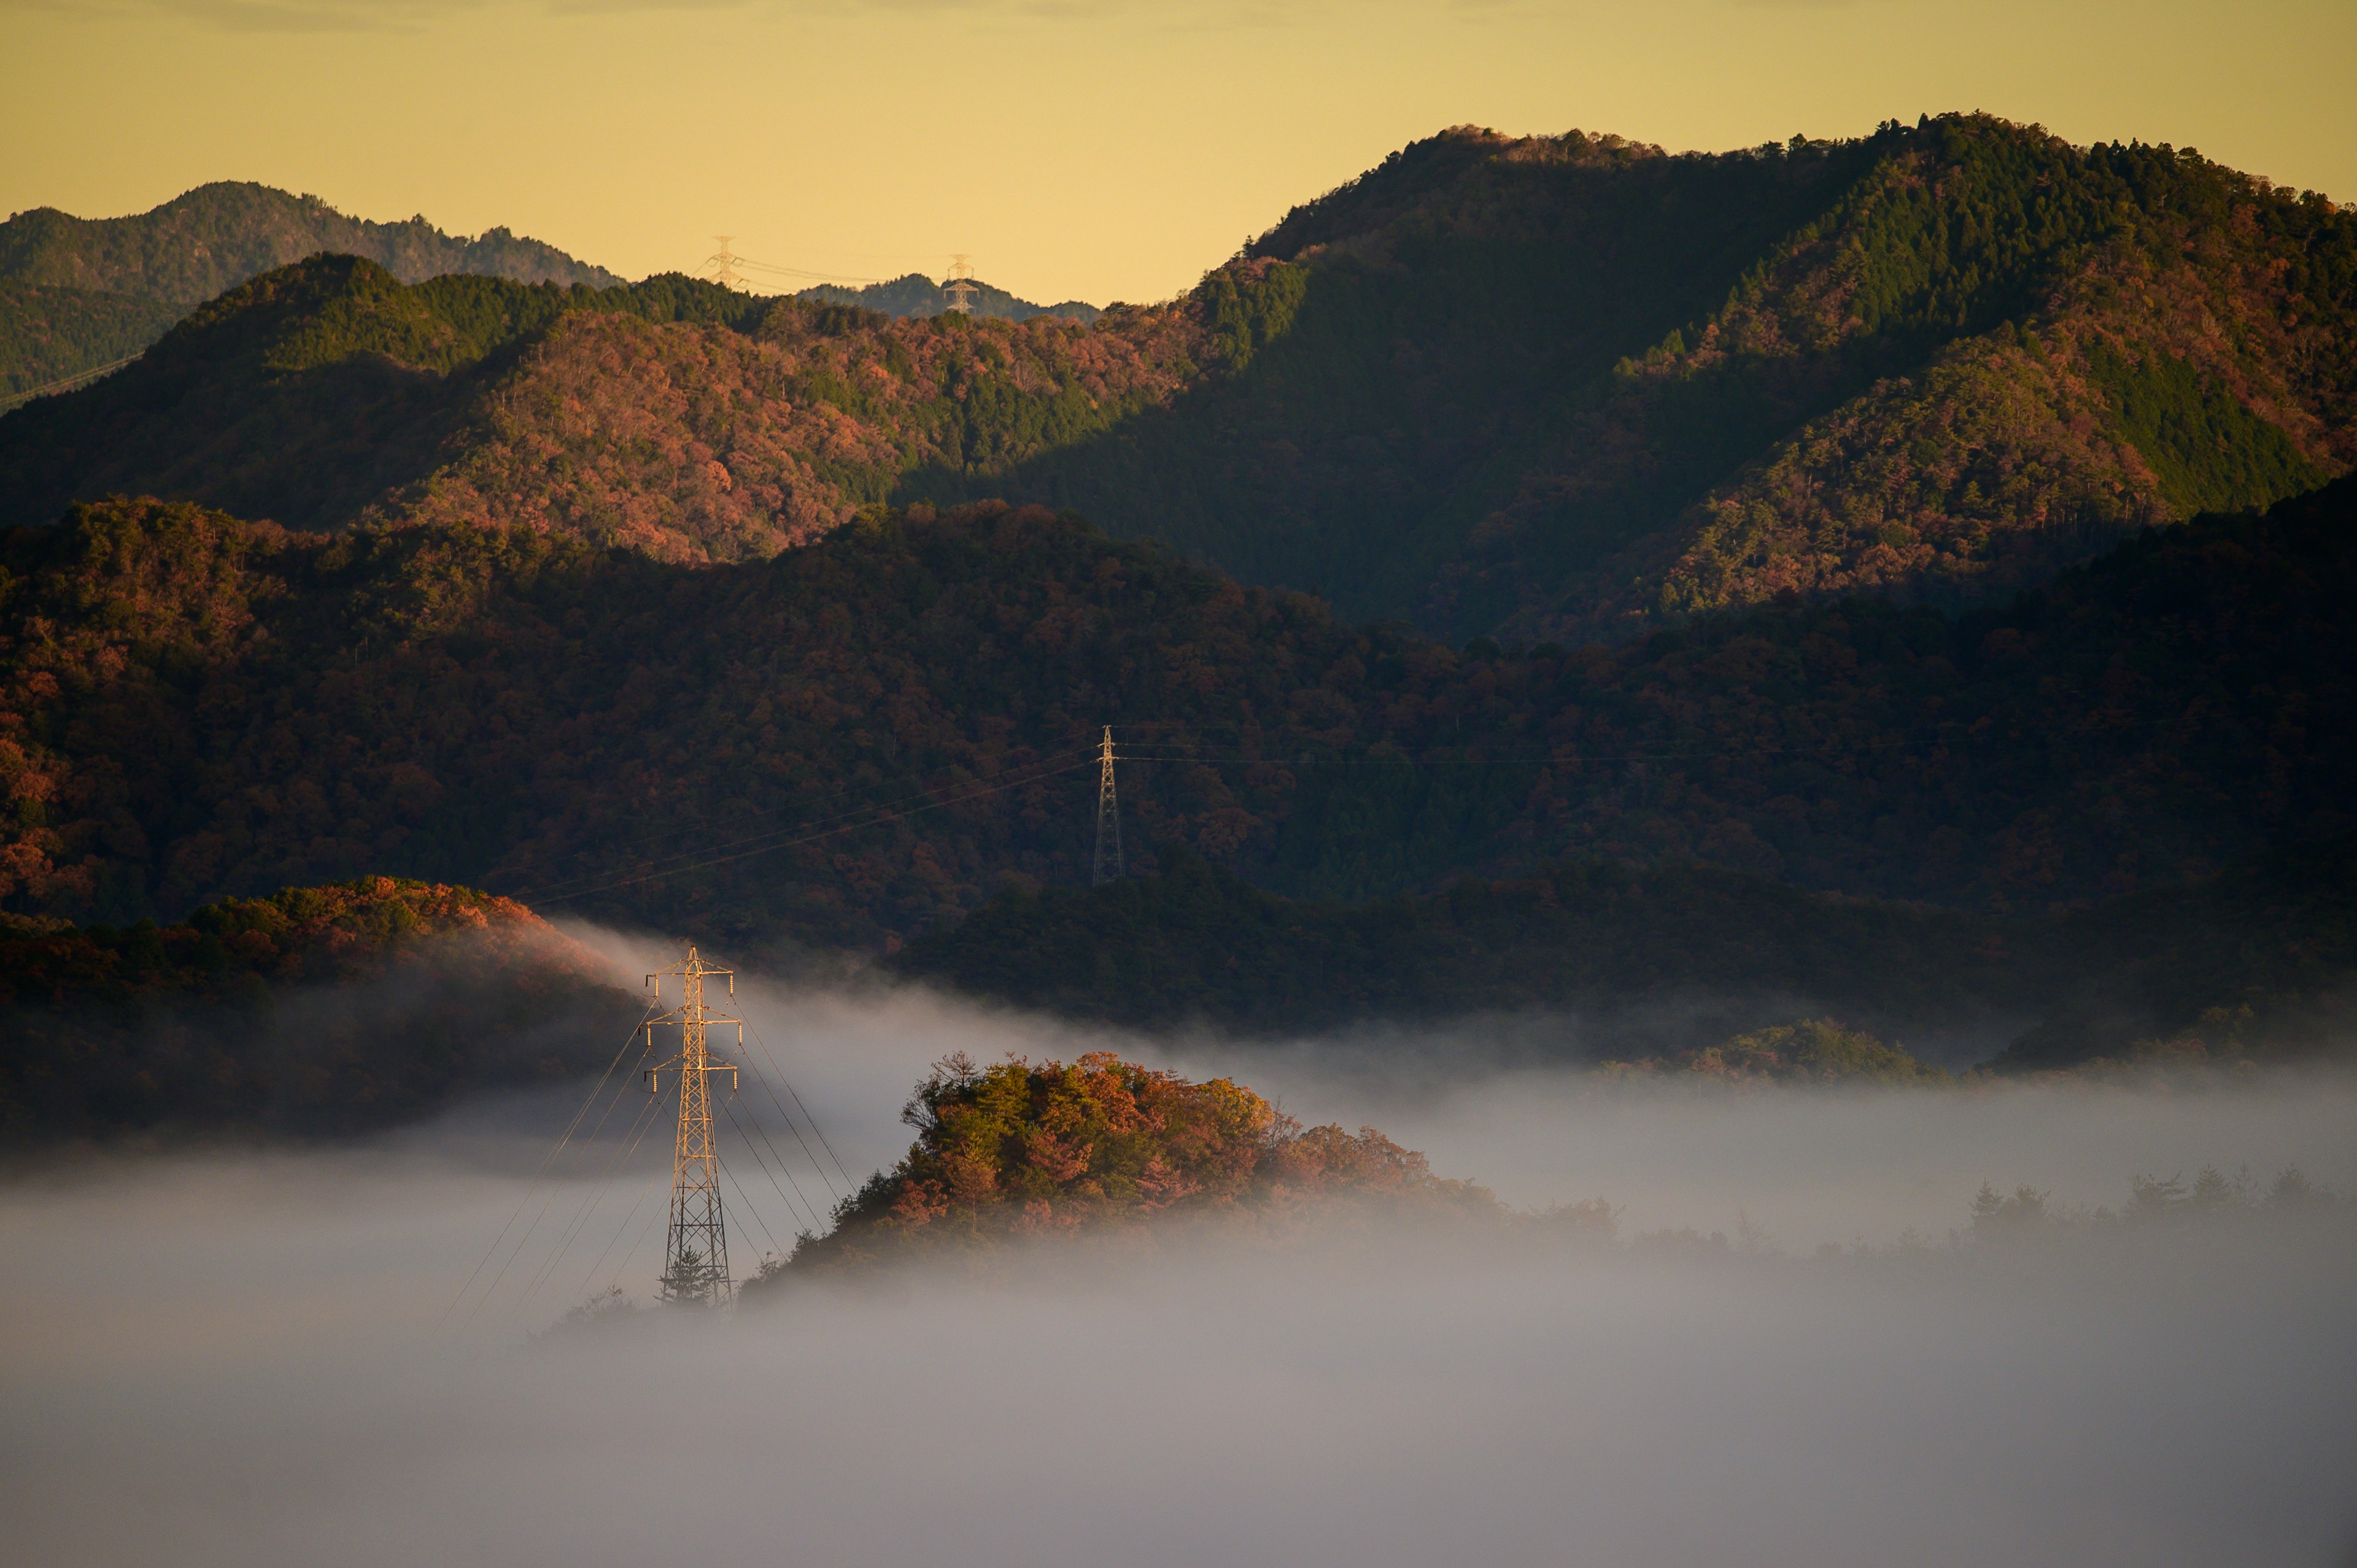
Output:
(314, 1011)
(1553, 388)
(1672, 959)
(79, 292)
(851, 743)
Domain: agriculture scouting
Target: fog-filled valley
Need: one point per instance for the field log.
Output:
(1789, 1341)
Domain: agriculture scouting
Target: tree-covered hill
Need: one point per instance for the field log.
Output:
(211, 239)
(917, 294)
(313, 1011)
(2258, 962)
(1550, 388)
(1023, 1151)
(673, 416)
(1557, 386)
(78, 293)
(48, 335)
(848, 744)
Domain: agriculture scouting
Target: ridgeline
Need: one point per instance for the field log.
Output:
(1550, 388)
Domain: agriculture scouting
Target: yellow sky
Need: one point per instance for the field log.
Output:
(1097, 149)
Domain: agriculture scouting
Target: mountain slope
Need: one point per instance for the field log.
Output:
(1565, 386)
(79, 293)
(853, 742)
(47, 335)
(314, 1011)
(208, 240)
(1555, 389)
(2259, 960)
(917, 294)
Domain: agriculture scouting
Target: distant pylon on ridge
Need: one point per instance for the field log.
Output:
(696, 1255)
(960, 291)
(721, 265)
(1109, 864)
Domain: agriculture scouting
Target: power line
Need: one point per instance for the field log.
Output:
(543, 891)
(66, 383)
(874, 822)
(820, 1133)
(595, 1090)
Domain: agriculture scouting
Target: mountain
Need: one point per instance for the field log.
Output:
(79, 292)
(1552, 389)
(314, 1011)
(704, 423)
(51, 335)
(917, 294)
(201, 244)
(1667, 960)
(1565, 386)
(849, 744)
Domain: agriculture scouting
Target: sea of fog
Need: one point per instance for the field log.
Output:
(344, 1355)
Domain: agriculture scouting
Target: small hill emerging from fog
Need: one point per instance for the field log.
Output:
(76, 292)
(1021, 1150)
(315, 1011)
(1549, 388)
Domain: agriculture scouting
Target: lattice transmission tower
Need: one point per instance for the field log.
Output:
(1108, 818)
(695, 1260)
(720, 267)
(958, 288)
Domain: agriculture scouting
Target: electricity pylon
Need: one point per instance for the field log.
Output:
(960, 291)
(723, 264)
(1108, 818)
(695, 1259)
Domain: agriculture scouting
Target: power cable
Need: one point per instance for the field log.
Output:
(546, 890)
(811, 838)
(816, 1130)
(595, 1090)
(748, 1203)
(748, 817)
(797, 1213)
(66, 383)
(625, 1146)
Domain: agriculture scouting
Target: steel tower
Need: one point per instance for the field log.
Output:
(1108, 865)
(695, 1260)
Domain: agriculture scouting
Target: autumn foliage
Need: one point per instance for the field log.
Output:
(193, 707)
(314, 1009)
(1552, 388)
(1023, 1149)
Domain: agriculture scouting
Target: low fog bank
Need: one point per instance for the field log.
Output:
(239, 1363)
(1807, 1165)
(324, 1356)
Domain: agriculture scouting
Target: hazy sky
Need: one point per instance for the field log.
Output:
(1093, 148)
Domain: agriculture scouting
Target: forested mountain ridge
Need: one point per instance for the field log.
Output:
(1551, 388)
(193, 707)
(206, 241)
(49, 334)
(314, 1009)
(673, 416)
(913, 294)
(1659, 960)
(79, 292)
(1939, 362)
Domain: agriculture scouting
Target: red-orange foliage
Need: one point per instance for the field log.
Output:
(1022, 1149)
